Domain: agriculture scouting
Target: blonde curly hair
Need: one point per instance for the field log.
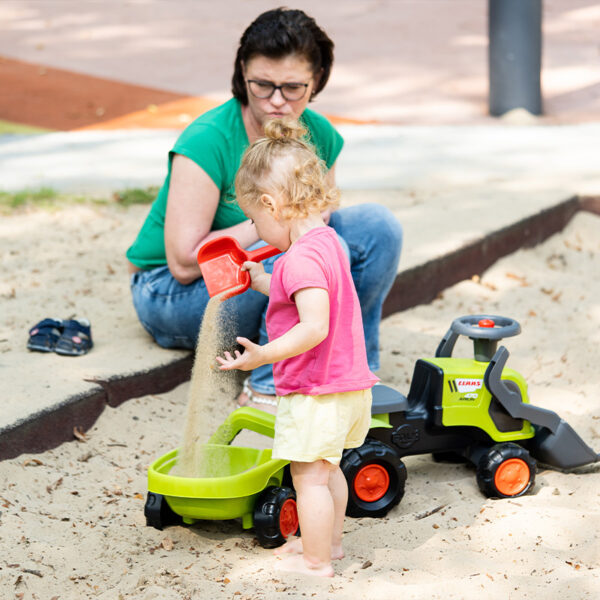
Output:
(282, 163)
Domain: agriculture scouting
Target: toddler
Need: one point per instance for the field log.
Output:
(316, 340)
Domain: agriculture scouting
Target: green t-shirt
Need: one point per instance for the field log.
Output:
(215, 141)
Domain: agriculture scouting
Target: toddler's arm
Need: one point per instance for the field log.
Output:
(313, 328)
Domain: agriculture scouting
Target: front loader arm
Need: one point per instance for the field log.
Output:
(511, 400)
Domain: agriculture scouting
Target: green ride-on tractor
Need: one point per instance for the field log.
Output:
(474, 409)
(471, 409)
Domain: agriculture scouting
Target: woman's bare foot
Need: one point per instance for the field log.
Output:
(297, 564)
(295, 547)
(248, 397)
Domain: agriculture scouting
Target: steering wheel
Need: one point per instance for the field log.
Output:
(485, 327)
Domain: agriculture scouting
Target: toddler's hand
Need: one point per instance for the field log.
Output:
(259, 278)
(255, 269)
(250, 359)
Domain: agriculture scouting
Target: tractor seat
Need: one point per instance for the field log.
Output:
(387, 400)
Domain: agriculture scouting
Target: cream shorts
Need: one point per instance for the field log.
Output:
(310, 428)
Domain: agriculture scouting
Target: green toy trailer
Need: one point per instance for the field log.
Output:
(245, 483)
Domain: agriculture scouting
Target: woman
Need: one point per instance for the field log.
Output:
(283, 61)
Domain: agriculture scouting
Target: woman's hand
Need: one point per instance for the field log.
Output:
(260, 280)
(250, 359)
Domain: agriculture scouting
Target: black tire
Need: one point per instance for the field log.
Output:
(286, 480)
(272, 523)
(158, 513)
(513, 479)
(383, 460)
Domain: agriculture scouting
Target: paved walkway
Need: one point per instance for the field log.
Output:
(404, 62)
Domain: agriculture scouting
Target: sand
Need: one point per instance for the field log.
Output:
(72, 523)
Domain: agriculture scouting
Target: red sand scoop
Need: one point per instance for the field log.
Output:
(221, 260)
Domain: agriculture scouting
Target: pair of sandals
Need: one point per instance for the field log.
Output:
(256, 398)
(69, 337)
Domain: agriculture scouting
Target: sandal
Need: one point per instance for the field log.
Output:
(255, 397)
(76, 338)
(44, 336)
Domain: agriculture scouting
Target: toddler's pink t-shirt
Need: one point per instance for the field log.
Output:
(339, 362)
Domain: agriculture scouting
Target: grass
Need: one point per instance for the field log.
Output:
(136, 196)
(15, 200)
(9, 127)
(46, 198)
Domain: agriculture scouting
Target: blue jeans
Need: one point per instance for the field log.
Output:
(172, 312)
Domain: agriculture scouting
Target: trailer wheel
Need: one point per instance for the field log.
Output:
(158, 513)
(506, 471)
(376, 478)
(275, 516)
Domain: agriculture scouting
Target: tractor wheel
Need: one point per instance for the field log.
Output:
(506, 471)
(275, 516)
(376, 478)
(158, 513)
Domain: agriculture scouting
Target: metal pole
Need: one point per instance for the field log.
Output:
(515, 55)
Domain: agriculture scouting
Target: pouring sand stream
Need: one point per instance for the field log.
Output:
(211, 390)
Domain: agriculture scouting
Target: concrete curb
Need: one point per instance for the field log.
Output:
(418, 285)
(421, 284)
(49, 428)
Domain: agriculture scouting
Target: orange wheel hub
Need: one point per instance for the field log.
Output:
(512, 477)
(288, 518)
(371, 483)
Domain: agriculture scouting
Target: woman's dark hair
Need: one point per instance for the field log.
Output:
(278, 33)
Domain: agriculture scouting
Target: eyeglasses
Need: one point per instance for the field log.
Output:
(265, 89)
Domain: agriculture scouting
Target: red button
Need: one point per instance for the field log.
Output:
(486, 323)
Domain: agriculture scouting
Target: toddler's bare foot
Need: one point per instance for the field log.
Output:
(296, 564)
(295, 547)
(290, 547)
(337, 553)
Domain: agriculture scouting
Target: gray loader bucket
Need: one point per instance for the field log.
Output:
(555, 443)
(563, 449)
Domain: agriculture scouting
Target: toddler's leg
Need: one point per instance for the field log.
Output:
(338, 487)
(316, 513)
